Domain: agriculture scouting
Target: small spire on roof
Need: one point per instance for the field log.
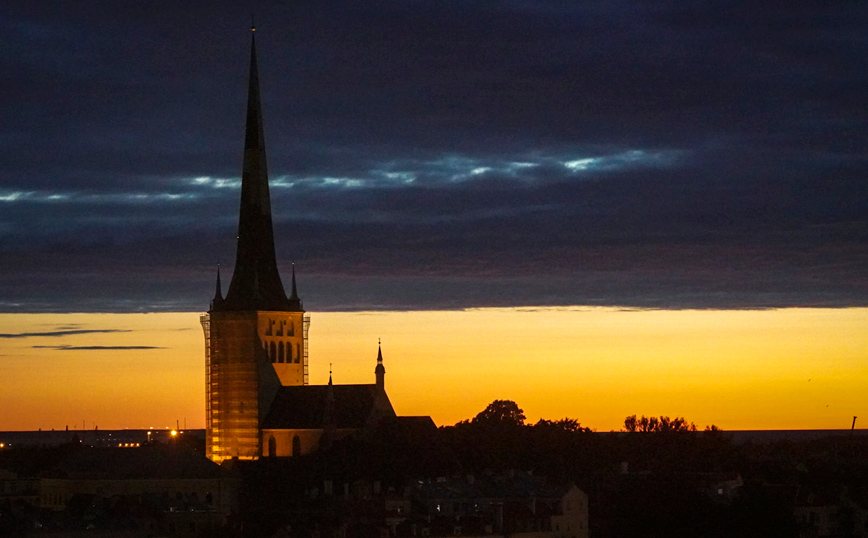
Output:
(293, 299)
(218, 292)
(380, 370)
(294, 293)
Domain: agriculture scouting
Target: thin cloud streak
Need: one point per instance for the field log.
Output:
(96, 348)
(62, 332)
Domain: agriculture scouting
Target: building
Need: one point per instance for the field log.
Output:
(146, 490)
(258, 400)
(513, 504)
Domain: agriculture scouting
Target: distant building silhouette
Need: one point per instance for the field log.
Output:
(258, 400)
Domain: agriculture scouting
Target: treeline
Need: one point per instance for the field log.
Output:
(659, 476)
(499, 438)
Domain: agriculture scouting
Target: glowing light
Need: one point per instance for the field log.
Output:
(174, 433)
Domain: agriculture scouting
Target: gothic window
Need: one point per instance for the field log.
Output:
(297, 353)
(288, 352)
(296, 446)
(281, 353)
(273, 354)
(269, 331)
(280, 325)
(291, 331)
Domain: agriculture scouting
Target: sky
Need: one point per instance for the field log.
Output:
(440, 158)
(795, 368)
(439, 154)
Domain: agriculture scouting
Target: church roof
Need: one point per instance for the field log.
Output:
(256, 283)
(304, 407)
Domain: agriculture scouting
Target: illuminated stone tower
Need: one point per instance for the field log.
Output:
(255, 337)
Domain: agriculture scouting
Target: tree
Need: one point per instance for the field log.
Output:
(567, 425)
(658, 424)
(500, 412)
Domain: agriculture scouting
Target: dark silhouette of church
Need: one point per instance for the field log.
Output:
(258, 400)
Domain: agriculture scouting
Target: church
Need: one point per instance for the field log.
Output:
(258, 401)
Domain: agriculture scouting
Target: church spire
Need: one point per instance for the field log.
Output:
(217, 301)
(380, 370)
(255, 282)
(294, 301)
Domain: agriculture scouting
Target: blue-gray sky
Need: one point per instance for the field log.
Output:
(439, 154)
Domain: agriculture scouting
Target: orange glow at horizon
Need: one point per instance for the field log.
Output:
(754, 369)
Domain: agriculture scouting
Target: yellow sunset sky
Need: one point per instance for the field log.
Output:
(743, 369)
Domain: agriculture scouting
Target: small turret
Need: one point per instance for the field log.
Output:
(295, 304)
(217, 301)
(380, 370)
(329, 419)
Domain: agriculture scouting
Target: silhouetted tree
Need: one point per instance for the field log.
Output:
(495, 439)
(658, 424)
(568, 425)
(500, 412)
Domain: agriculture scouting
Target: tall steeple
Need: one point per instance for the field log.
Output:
(255, 336)
(255, 282)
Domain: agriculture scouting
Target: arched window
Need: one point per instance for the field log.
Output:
(272, 447)
(297, 353)
(273, 354)
(281, 353)
(288, 352)
(291, 329)
(296, 446)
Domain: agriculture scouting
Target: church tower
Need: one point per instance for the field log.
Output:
(255, 337)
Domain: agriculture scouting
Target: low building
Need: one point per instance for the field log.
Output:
(175, 491)
(518, 504)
